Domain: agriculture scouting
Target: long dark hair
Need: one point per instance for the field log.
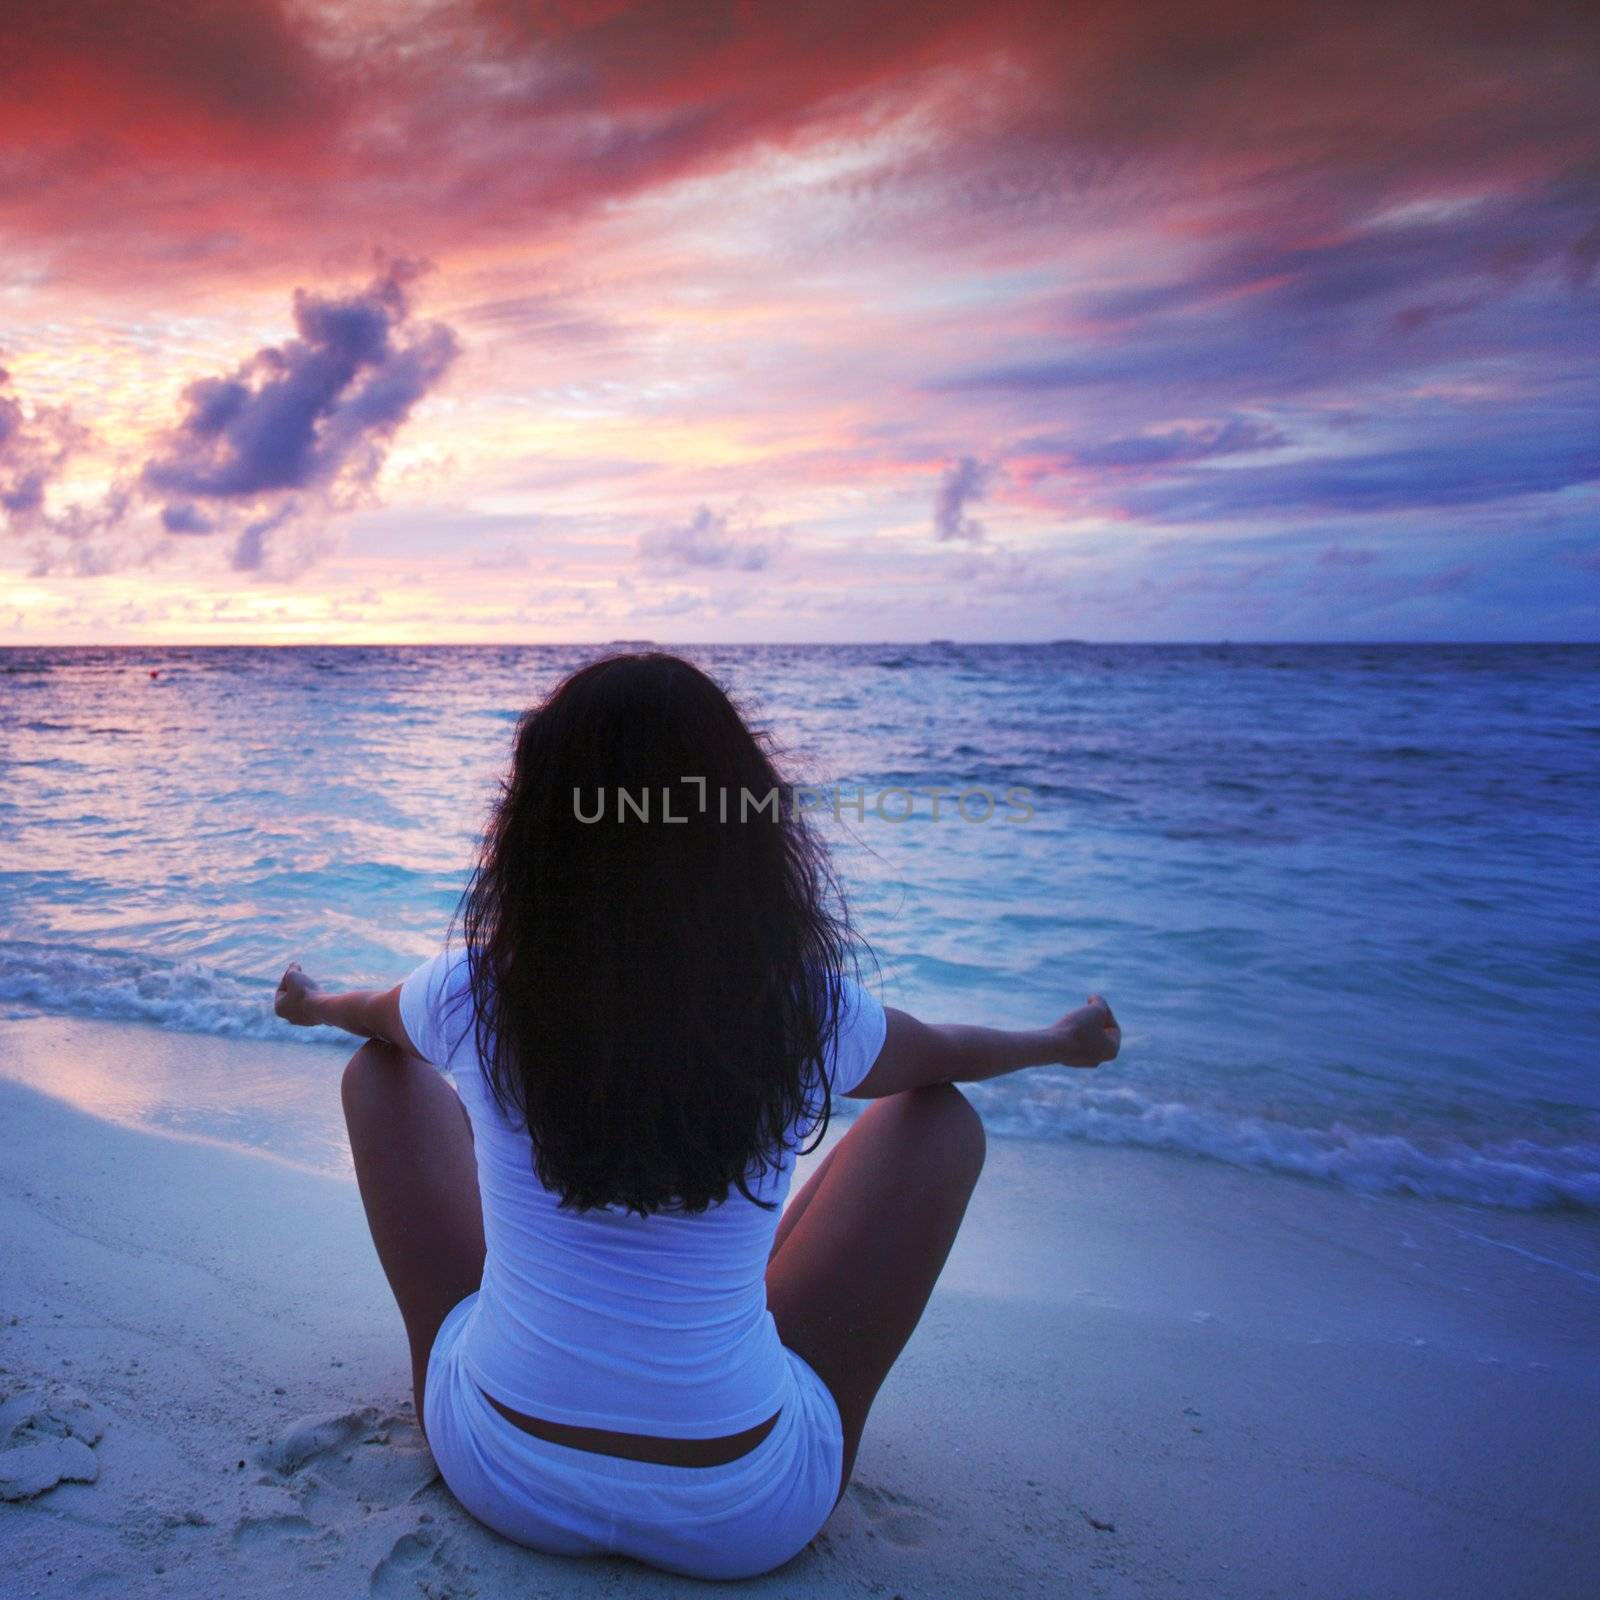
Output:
(654, 936)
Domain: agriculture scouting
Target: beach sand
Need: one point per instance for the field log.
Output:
(1142, 1374)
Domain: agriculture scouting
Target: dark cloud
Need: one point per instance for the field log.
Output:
(1436, 336)
(1165, 447)
(295, 433)
(273, 132)
(1383, 264)
(705, 540)
(250, 550)
(36, 444)
(34, 447)
(307, 421)
(1267, 316)
(185, 517)
(155, 78)
(263, 129)
(966, 481)
(1467, 469)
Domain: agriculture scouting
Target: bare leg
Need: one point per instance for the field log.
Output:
(852, 1274)
(796, 1207)
(419, 1183)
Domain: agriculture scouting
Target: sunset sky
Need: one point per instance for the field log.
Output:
(395, 320)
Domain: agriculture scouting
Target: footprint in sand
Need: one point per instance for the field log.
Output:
(326, 1479)
(272, 1533)
(45, 1443)
(309, 1437)
(362, 1456)
(419, 1564)
(892, 1516)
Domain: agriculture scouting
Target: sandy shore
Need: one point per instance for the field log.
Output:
(1142, 1375)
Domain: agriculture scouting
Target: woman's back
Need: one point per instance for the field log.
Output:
(604, 1318)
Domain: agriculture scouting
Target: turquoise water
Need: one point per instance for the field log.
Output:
(1343, 898)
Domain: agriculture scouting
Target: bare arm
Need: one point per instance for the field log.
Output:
(367, 1013)
(916, 1054)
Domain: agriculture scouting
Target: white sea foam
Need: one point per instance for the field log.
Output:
(122, 986)
(1519, 1174)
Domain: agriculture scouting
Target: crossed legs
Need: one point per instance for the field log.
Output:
(854, 1260)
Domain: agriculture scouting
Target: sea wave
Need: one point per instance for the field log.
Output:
(126, 986)
(1516, 1174)
(1513, 1174)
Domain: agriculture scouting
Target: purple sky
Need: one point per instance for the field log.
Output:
(835, 321)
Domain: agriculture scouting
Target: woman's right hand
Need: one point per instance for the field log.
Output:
(1088, 1036)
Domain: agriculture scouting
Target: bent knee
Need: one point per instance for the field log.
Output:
(375, 1062)
(950, 1118)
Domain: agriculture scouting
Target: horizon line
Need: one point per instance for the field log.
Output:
(756, 644)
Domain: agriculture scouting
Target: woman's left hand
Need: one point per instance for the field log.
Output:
(295, 1000)
(1089, 1036)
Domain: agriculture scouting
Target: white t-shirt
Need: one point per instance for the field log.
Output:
(603, 1318)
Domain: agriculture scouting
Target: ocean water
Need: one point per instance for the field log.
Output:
(1344, 899)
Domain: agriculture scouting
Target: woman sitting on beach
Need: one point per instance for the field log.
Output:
(617, 1344)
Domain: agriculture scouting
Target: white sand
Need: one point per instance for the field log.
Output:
(1141, 1375)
